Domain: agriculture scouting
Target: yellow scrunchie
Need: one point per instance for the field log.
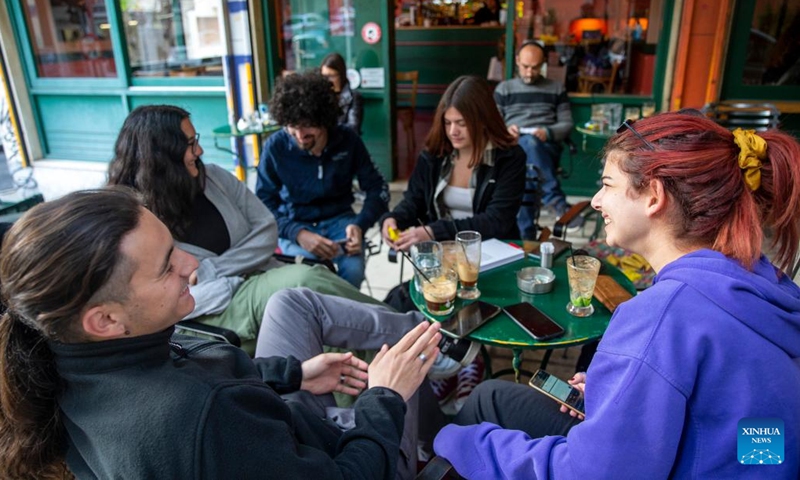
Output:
(753, 150)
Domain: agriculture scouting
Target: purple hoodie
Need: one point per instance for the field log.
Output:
(680, 364)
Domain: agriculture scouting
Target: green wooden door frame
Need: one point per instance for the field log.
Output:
(786, 96)
(732, 87)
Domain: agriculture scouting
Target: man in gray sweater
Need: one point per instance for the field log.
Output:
(536, 111)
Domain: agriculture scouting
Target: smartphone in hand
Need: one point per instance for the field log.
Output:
(559, 390)
(468, 319)
(534, 321)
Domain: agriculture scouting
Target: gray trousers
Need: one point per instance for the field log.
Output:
(298, 322)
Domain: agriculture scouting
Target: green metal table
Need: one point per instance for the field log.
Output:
(499, 287)
(226, 132)
(585, 132)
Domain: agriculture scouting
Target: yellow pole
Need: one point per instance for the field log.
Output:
(12, 115)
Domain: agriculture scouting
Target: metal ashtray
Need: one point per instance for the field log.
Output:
(535, 280)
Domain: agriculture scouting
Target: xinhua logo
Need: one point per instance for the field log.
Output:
(760, 441)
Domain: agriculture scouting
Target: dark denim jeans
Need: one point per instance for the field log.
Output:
(349, 267)
(542, 158)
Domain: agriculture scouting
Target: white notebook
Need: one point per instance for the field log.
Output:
(496, 253)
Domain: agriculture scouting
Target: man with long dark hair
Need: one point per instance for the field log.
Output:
(94, 384)
(306, 177)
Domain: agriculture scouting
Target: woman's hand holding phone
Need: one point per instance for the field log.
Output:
(579, 382)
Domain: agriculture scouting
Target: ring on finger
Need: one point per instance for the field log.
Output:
(341, 378)
(423, 357)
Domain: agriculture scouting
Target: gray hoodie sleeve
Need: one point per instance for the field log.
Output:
(254, 236)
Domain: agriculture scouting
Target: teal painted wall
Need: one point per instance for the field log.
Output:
(80, 127)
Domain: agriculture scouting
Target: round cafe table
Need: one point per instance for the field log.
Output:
(498, 286)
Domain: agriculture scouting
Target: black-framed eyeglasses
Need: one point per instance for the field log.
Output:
(194, 142)
(629, 125)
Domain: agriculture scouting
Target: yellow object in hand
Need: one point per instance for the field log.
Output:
(393, 234)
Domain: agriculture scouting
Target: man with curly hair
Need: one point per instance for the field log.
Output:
(306, 177)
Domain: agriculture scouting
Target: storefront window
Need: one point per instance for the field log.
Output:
(311, 31)
(174, 37)
(70, 38)
(599, 47)
(772, 54)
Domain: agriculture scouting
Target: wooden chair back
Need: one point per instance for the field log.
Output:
(407, 89)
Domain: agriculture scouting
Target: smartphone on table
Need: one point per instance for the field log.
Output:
(558, 390)
(465, 321)
(534, 321)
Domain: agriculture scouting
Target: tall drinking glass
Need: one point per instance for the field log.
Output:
(582, 273)
(450, 255)
(469, 261)
(427, 256)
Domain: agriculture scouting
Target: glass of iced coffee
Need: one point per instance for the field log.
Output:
(469, 261)
(439, 290)
(582, 272)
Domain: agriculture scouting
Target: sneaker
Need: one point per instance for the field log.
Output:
(454, 354)
(468, 378)
(444, 388)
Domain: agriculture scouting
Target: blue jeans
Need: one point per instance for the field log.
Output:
(349, 267)
(541, 158)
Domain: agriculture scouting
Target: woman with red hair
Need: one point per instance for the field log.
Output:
(690, 364)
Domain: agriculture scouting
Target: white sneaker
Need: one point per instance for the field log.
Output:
(455, 353)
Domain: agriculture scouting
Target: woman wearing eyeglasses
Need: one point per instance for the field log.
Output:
(707, 354)
(333, 68)
(214, 217)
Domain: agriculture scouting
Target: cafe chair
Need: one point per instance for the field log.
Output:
(733, 114)
(406, 106)
(591, 83)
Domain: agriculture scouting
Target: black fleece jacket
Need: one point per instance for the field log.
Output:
(148, 407)
(498, 194)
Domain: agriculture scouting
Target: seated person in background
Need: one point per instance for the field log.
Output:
(95, 384)
(488, 14)
(333, 68)
(537, 113)
(470, 176)
(214, 217)
(306, 177)
(714, 341)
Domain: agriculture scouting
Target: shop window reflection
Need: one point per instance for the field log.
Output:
(174, 38)
(70, 38)
(309, 36)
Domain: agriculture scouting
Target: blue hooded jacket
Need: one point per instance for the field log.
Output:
(300, 189)
(709, 344)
